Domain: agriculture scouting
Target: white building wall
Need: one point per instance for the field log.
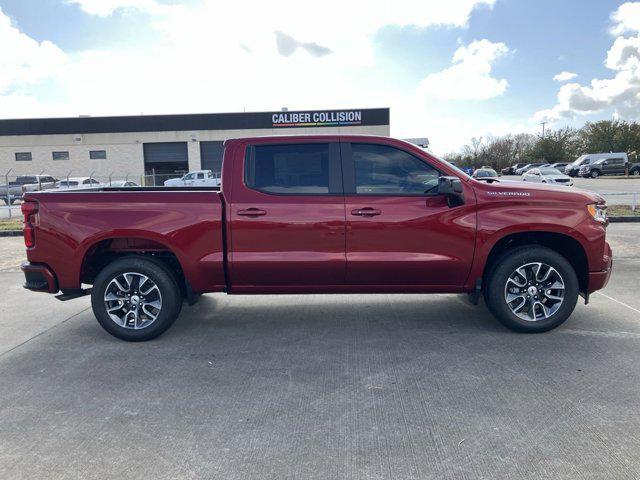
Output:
(125, 154)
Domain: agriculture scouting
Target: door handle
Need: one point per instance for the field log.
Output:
(366, 212)
(252, 212)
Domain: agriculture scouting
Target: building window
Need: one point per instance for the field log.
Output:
(98, 154)
(23, 157)
(61, 155)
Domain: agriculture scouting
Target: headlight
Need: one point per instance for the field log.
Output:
(598, 212)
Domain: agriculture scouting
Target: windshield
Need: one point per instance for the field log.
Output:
(68, 184)
(550, 171)
(461, 172)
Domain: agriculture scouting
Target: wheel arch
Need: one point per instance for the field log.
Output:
(101, 252)
(567, 246)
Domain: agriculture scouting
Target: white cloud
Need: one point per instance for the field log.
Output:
(621, 93)
(211, 59)
(469, 78)
(626, 18)
(104, 8)
(565, 76)
(25, 61)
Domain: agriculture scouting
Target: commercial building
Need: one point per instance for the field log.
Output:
(159, 145)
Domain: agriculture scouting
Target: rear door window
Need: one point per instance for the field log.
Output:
(295, 169)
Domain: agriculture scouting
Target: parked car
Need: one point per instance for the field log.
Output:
(25, 183)
(573, 169)
(529, 166)
(485, 172)
(511, 170)
(547, 175)
(197, 178)
(300, 214)
(122, 183)
(78, 182)
(604, 166)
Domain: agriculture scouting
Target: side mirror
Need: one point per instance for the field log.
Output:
(451, 187)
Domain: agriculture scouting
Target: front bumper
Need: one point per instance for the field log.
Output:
(39, 278)
(599, 280)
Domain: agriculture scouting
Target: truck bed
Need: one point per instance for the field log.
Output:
(185, 222)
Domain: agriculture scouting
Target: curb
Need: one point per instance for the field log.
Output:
(10, 233)
(635, 219)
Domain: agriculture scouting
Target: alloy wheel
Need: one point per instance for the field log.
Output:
(133, 300)
(534, 292)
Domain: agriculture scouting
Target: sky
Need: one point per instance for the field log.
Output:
(449, 70)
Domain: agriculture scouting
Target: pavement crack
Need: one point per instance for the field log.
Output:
(44, 331)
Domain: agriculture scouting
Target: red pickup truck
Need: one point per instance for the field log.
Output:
(319, 214)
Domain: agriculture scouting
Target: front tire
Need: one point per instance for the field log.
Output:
(595, 173)
(531, 289)
(136, 298)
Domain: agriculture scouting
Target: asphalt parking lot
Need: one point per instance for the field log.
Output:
(609, 187)
(340, 386)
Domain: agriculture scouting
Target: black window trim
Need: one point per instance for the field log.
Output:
(53, 156)
(92, 152)
(30, 159)
(349, 172)
(336, 188)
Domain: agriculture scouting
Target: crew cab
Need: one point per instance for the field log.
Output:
(199, 177)
(319, 214)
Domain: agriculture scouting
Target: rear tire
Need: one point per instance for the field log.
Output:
(136, 298)
(527, 303)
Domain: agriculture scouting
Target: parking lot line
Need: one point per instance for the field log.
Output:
(618, 301)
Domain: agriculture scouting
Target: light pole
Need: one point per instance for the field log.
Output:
(543, 125)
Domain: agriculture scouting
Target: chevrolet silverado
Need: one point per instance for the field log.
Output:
(319, 214)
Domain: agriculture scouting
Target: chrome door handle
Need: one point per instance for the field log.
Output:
(366, 212)
(252, 212)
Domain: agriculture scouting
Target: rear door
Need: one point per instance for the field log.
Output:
(616, 166)
(400, 233)
(287, 217)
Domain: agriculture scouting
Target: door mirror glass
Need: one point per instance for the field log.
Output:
(449, 186)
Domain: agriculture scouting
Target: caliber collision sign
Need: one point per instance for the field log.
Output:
(317, 119)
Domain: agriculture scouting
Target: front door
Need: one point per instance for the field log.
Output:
(287, 218)
(399, 231)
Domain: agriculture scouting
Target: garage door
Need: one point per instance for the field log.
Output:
(165, 152)
(211, 156)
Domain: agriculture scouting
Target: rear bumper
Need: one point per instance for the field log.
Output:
(39, 278)
(599, 280)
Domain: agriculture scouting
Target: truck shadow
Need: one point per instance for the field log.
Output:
(427, 313)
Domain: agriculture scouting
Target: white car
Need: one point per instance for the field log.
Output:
(547, 175)
(197, 178)
(78, 182)
(123, 183)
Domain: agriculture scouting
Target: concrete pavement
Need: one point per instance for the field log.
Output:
(338, 386)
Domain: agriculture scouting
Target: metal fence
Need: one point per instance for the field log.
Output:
(11, 192)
